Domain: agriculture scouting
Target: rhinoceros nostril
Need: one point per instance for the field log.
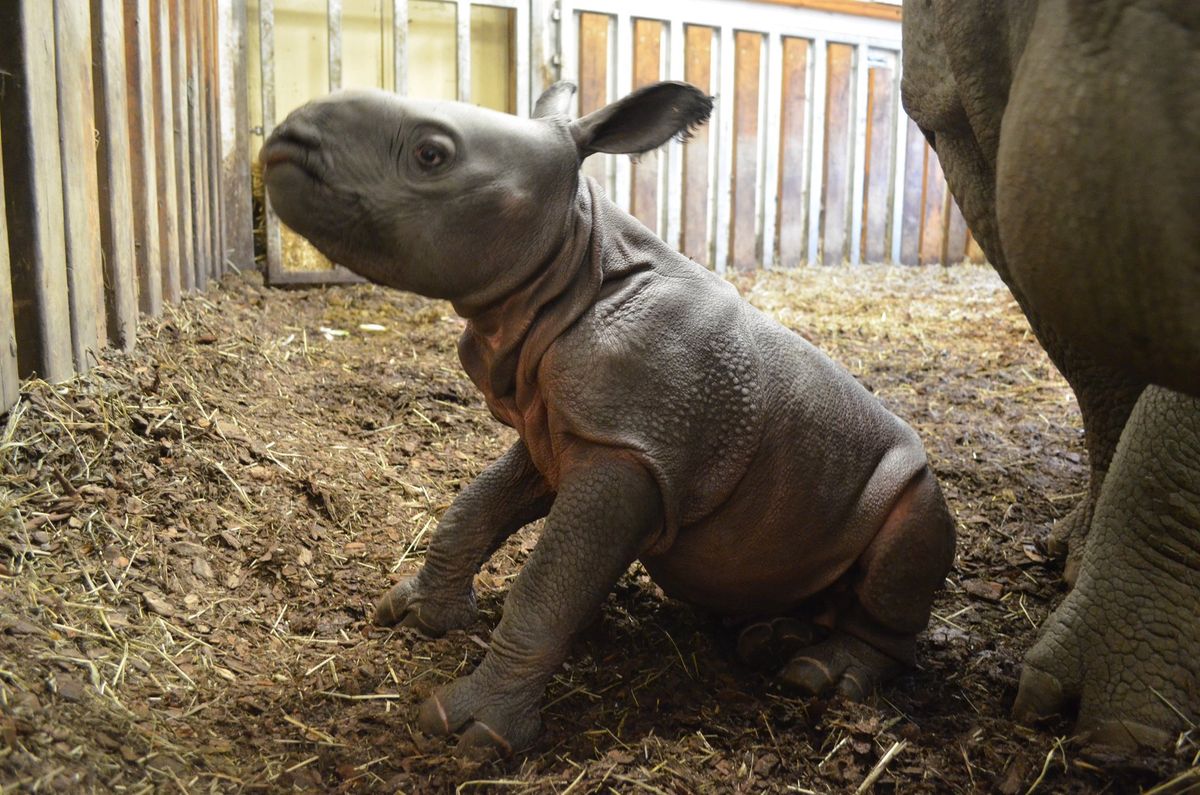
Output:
(299, 133)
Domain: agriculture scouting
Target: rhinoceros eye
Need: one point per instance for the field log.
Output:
(430, 155)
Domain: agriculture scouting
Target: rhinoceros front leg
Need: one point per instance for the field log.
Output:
(506, 496)
(1125, 643)
(606, 507)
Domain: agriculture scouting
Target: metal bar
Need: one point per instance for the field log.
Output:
(623, 186)
(900, 164)
(727, 53)
(673, 188)
(522, 44)
(858, 169)
(816, 152)
(334, 17)
(769, 203)
(266, 37)
(463, 48)
(400, 46)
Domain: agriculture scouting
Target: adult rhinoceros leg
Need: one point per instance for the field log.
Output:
(509, 494)
(1125, 643)
(958, 66)
(607, 507)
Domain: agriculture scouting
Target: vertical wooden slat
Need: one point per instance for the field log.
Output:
(914, 195)
(212, 118)
(164, 139)
(858, 144)
(142, 156)
(115, 180)
(838, 107)
(593, 77)
(238, 220)
(34, 190)
(522, 39)
(622, 166)
(791, 218)
(900, 153)
(201, 240)
(956, 233)
(10, 385)
(266, 28)
(81, 194)
(933, 217)
(183, 146)
(696, 153)
(880, 107)
(743, 244)
(400, 46)
(647, 58)
(974, 250)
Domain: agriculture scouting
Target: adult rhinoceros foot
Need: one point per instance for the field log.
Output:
(1125, 643)
(1068, 537)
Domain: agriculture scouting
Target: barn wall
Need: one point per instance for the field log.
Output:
(111, 202)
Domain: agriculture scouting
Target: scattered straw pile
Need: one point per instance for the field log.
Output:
(191, 537)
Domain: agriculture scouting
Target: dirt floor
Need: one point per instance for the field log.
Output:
(192, 537)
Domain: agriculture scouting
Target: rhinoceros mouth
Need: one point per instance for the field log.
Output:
(284, 152)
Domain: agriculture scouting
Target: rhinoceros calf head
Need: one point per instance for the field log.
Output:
(447, 199)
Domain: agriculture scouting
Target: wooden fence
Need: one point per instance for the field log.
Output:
(113, 198)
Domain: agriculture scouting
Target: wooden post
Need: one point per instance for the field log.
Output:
(914, 195)
(81, 194)
(880, 113)
(143, 155)
(697, 151)
(743, 243)
(933, 217)
(33, 187)
(201, 242)
(235, 135)
(647, 58)
(211, 81)
(792, 223)
(164, 141)
(183, 146)
(116, 192)
(10, 384)
(838, 107)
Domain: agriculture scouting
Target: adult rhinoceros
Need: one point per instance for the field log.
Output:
(1070, 135)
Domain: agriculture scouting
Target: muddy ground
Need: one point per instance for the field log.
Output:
(192, 537)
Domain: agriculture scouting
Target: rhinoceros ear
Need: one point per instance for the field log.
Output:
(554, 101)
(643, 120)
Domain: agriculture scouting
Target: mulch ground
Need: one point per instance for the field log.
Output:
(192, 537)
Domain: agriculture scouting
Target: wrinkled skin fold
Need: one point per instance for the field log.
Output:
(661, 417)
(1069, 132)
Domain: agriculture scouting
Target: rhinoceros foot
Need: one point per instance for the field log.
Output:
(498, 720)
(765, 644)
(842, 664)
(410, 603)
(1125, 643)
(1068, 537)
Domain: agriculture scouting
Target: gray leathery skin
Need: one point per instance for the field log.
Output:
(1072, 143)
(660, 416)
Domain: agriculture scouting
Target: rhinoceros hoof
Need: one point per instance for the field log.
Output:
(1069, 536)
(842, 664)
(766, 644)
(406, 604)
(1130, 687)
(497, 723)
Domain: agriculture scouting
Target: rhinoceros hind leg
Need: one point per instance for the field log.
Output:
(843, 664)
(765, 644)
(1125, 643)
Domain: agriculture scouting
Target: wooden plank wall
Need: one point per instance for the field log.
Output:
(111, 202)
(816, 138)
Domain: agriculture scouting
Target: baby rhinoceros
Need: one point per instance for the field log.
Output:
(661, 417)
